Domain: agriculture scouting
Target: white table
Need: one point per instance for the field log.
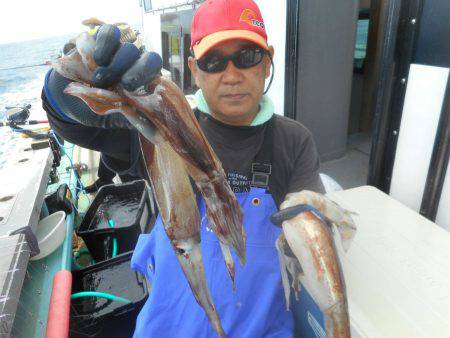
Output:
(397, 270)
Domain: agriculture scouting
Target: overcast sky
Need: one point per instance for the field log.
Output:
(31, 19)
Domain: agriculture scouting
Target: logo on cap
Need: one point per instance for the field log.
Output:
(248, 16)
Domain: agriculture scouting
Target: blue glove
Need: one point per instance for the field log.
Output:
(122, 62)
(107, 43)
(143, 71)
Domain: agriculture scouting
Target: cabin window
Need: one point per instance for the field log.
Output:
(175, 43)
(362, 32)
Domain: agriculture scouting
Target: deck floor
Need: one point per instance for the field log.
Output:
(352, 169)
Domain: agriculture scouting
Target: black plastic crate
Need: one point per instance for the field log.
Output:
(128, 205)
(99, 317)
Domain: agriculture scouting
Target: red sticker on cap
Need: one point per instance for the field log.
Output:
(250, 17)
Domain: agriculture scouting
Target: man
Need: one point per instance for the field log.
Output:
(264, 155)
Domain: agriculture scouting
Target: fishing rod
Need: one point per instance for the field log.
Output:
(30, 122)
(28, 66)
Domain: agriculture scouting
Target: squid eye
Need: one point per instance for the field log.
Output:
(181, 251)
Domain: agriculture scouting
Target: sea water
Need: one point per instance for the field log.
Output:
(22, 72)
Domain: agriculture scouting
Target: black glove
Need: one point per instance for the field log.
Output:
(283, 215)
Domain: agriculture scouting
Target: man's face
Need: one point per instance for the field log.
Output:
(233, 95)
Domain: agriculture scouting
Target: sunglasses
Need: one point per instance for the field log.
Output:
(245, 58)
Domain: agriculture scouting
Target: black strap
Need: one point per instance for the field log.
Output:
(262, 163)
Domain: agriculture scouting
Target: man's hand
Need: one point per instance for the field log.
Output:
(104, 59)
(122, 62)
(298, 202)
(323, 207)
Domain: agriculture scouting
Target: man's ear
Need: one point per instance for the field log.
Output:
(192, 64)
(268, 63)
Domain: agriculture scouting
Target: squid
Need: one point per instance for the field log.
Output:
(175, 151)
(308, 255)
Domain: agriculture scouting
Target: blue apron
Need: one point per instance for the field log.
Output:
(256, 309)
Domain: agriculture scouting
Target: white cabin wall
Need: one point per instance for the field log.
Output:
(327, 32)
(421, 112)
(274, 15)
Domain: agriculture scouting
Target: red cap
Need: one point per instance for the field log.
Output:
(216, 21)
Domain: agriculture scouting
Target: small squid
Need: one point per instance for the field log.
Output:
(307, 253)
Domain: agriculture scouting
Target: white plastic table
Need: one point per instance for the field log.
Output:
(397, 270)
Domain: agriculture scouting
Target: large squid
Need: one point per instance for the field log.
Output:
(174, 151)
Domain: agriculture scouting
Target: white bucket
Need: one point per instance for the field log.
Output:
(50, 233)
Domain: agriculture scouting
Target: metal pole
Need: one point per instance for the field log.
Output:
(396, 53)
(291, 59)
(389, 19)
(439, 162)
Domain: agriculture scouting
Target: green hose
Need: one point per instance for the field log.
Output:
(99, 295)
(114, 251)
